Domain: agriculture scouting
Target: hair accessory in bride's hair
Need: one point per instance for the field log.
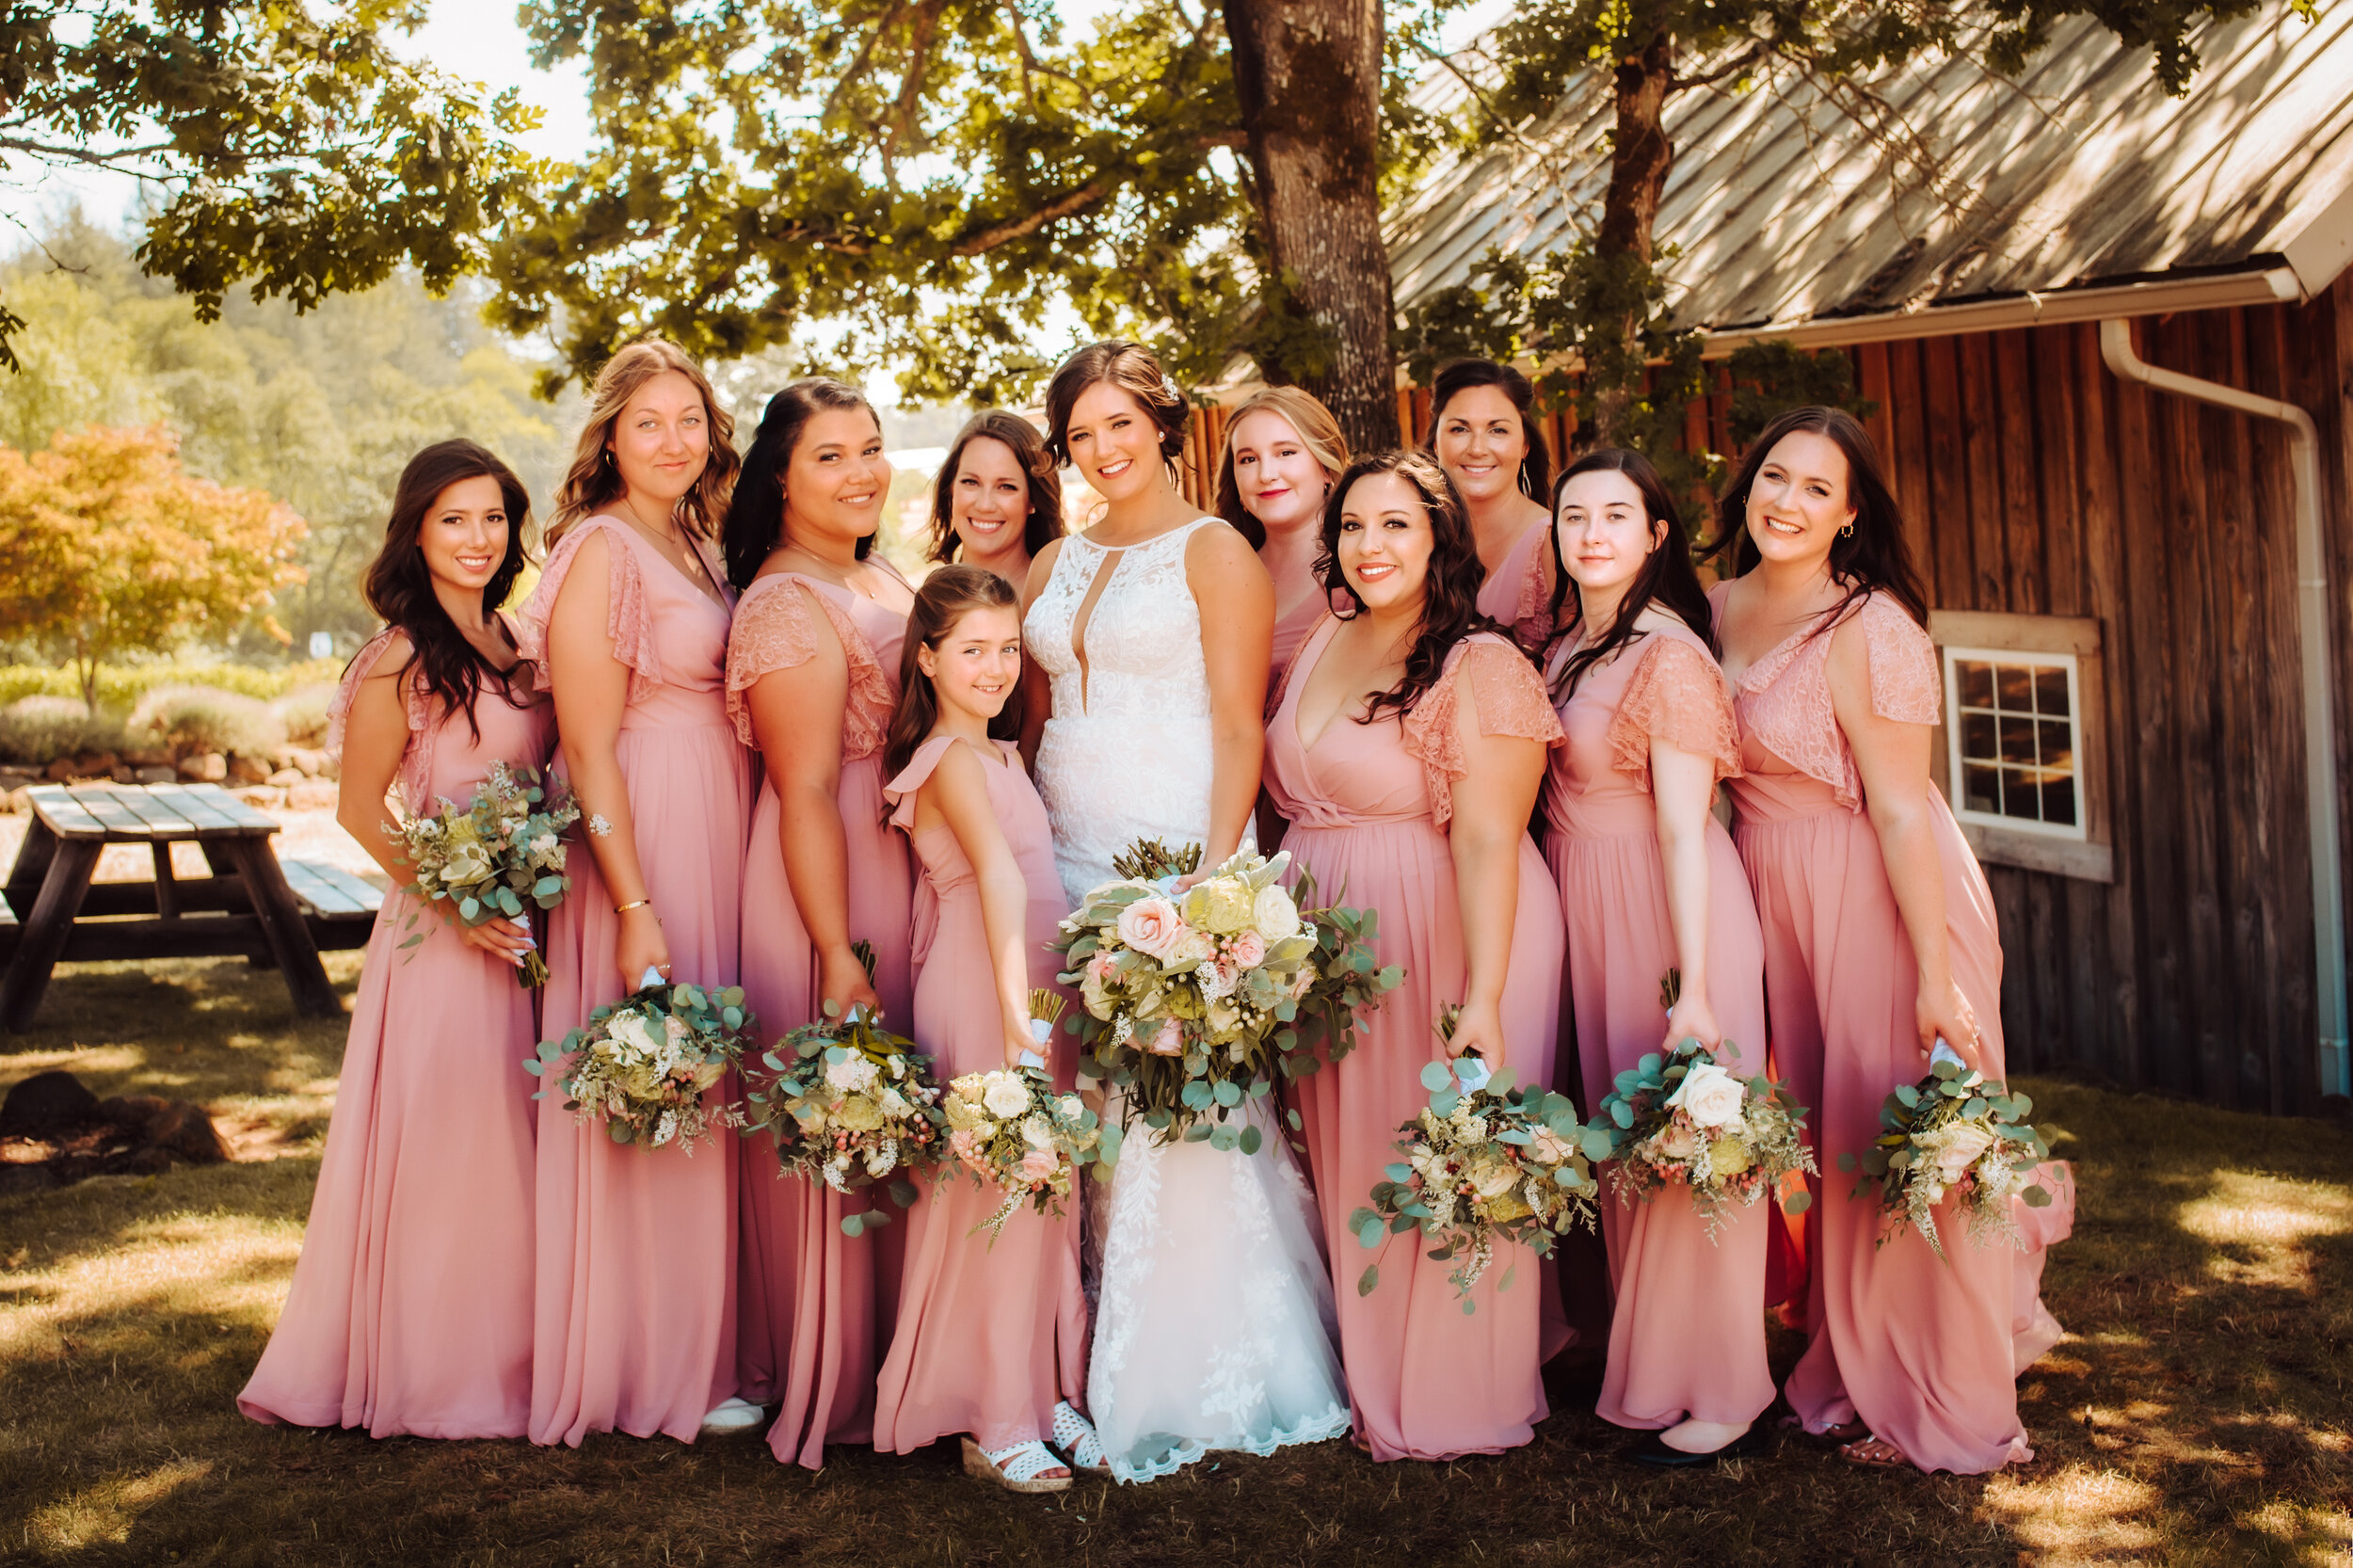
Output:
(1168, 384)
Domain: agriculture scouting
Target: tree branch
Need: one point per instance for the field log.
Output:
(911, 88)
(1068, 205)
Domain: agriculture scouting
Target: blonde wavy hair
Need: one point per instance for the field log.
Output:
(592, 482)
(1318, 432)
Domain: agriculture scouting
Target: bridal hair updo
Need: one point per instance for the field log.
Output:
(1018, 435)
(947, 596)
(1450, 590)
(1131, 368)
(1317, 430)
(1459, 377)
(755, 517)
(592, 482)
(399, 587)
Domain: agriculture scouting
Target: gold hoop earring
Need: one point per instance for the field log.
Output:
(1846, 532)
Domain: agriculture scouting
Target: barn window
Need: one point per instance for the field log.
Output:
(2023, 752)
(2015, 739)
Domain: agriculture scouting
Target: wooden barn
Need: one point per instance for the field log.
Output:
(2139, 578)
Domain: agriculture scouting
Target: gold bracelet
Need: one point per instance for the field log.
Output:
(633, 904)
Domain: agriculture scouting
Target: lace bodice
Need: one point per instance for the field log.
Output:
(777, 628)
(1143, 639)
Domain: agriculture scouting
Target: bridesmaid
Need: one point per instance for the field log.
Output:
(991, 1337)
(1483, 431)
(1283, 451)
(410, 1311)
(812, 671)
(1407, 752)
(635, 1319)
(998, 500)
(1650, 882)
(1879, 932)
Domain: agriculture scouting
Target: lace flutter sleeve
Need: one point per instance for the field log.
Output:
(1508, 697)
(628, 617)
(1676, 694)
(1531, 616)
(776, 629)
(416, 762)
(1905, 683)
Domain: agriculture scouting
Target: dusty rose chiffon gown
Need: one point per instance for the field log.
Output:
(410, 1311)
(1369, 807)
(1687, 1334)
(1290, 635)
(989, 1338)
(808, 1312)
(1919, 1348)
(635, 1326)
(1514, 592)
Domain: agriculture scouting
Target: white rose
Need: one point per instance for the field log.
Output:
(895, 1105)
(1275, 916)
(1957, 1147)
(1711, 1097)
(630, 1031)
(1005, 1095)
(1038, 1132)
(852, 1075)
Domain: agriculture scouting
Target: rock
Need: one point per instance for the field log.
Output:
(182, 1131)
(46, 1103)
(17, 802)
(304, 760)
(148, 759)
(96, 764)
(209, 768)
(59, 771)
(312, 794)
(284, 777)
(149, 773)
(247, 770)
(124, 776)
(262, 797)
(12, 776)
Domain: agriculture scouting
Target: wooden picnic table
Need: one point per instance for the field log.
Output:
(250, 905)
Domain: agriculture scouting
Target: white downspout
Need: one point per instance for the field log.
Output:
(2311, 626)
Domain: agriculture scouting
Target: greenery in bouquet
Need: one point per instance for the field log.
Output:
(645, 1062)
(1682, 1117)
(1498, 1164)
(490, 858)
(1952, 1134)
(1189, 1000)
(1012, 1128)
(852, 1105)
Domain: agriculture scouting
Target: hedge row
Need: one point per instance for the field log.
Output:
(121, 687)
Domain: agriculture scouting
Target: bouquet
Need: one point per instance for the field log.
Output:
(852, 1104)
(1193, 1002)
(486, 859)
(1481, 1166)
(1009, 1126)
(643, 1062)
(1952, 1133)
(1683, 1116)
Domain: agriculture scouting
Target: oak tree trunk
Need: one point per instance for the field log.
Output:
(1308, 73)
(1640, 156)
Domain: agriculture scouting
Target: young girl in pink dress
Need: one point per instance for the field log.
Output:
(1283, 451)
(410, 1311)
(991, 1337)
(1649, 882)
(1407, 752)
(1879, 932)
(635, 1330)
(1482, 430)
(812, 677)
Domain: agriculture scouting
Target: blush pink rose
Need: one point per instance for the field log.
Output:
(1247, 950)
(1102, 969)
(1170, 1041)
(1038, 1165)
(1152, 925)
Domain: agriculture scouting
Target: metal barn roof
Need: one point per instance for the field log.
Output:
(2082, 174)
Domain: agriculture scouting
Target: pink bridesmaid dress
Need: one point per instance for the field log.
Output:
(636, 1246)
(410, 1311)
(989, 1338)
(1687, 1337)
(807, 1314)
(1290, 635)
(1918, 1348)
(1514, 593)
(1369, 807)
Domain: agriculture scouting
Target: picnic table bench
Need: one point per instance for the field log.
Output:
(251, 904)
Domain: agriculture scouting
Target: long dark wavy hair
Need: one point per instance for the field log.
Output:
(1667, 578)
(1018, 435)
(1870, 557)
(754, 520)
(1449, 605)
(1460, 375)
(399, 587)
(946, 598)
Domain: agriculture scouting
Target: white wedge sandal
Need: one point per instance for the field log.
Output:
(1074, 1434)
(1019, 1468)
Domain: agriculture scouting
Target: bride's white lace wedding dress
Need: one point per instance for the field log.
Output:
(1213, 1326)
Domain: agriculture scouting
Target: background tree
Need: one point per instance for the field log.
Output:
(113, 549)
(285, 145)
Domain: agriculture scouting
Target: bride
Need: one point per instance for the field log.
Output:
(1213, 1327)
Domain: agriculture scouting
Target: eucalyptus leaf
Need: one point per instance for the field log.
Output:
(1370, 1277)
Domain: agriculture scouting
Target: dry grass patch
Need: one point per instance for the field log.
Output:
(2198, 1413)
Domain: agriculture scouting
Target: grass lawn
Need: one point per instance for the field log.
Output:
(2197, 1412)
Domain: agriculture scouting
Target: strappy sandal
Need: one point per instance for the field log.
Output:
(1020, 1468)
(1874, 1453)
(1074, 1434)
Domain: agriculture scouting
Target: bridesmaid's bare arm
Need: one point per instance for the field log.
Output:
(1892, 758)
(1037, 692)
(957, 791)
(796, 721)
(1236, 598)
(1492, 803)
(591, 687)
(1683, 785)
